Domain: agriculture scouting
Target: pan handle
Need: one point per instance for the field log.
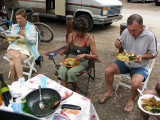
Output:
(69, 106)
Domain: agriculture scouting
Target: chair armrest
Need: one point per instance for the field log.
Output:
(28, 59)
(5, 57)
(55, 52)
(97, 60)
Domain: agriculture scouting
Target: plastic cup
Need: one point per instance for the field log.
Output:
(17, 107)
(43, 81)
(51, 57)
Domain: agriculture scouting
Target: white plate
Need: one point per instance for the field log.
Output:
(144, 97)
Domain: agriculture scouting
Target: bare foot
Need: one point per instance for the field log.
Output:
(104, 98)
(129, 106)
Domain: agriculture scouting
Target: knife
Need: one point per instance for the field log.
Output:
(69, 106)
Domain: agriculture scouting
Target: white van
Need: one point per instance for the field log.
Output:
(95, 11)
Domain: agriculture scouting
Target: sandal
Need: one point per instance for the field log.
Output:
(103, 97)
(130, 107)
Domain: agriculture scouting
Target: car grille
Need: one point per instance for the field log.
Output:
(114, 10)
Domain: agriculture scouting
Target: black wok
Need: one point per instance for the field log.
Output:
(33, 100)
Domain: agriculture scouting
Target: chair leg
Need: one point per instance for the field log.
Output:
(94, 71)
(90, 76)
(87, 85)
(9, 74)
(31, 68)
(119, 82)
(117, 85)
(90, 73)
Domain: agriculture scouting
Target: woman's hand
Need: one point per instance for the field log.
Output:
(22, 33)
(80, 56)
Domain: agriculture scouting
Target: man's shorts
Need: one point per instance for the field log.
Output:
(124, 69)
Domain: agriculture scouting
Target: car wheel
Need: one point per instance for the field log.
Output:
(89, 20)
(157, 4)
(143, 1)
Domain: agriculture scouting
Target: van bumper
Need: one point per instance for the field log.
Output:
(102, 21)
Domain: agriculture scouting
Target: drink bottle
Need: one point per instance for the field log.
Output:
(0, 100)
(56, 77)
(5, 92)
(25, 107)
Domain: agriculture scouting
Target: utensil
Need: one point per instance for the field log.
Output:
(119, 40)
(140, 91)
(57, 102)
(41, 104)
(69, 106)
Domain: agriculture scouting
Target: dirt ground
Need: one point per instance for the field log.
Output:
(104, 37)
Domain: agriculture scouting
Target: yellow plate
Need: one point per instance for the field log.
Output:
(12, 38)
(126, 57)
(70, 62)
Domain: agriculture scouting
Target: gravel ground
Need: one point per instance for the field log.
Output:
(105, 37)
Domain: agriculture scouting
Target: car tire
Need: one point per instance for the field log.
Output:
(157, 4)
(89, 20)
(143, 1)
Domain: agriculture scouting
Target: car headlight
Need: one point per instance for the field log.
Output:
(105, 11)
(121, 9)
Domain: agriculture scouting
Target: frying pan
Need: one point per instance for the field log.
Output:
(33, 100)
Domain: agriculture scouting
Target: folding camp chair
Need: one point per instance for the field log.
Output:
(124, 77)
(88, 70)
(29, 63)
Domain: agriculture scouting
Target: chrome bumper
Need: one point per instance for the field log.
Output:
(107, 20)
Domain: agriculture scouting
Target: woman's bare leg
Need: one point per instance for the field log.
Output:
(63, 83)
(75, 88)
(17, 58)
(12, 70)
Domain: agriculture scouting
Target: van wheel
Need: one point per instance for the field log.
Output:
(89, 20)
(143, 1)
(157, 4)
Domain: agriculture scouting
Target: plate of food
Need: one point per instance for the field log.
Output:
(149, 104)
(12, 38)
(126, 57)
(70, 62)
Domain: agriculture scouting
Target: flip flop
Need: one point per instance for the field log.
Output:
(103, 97)
(128, 106)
